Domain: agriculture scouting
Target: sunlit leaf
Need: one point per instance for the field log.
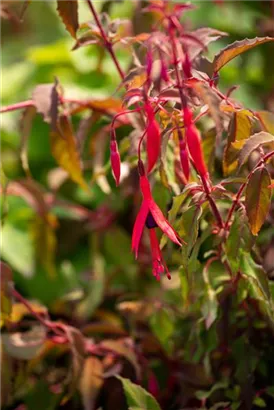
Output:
(254, 142)
(235, 49)
(68, 11)
(64, 149)
(258, 199)
(137, 397)
(239, 130)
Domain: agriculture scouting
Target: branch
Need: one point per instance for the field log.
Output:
(107, 43)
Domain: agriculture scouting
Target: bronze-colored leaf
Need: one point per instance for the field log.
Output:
(78, 350)
(237, 48)
(267, 120)
(239, 130)
(91, 381)
(122, 349)
(253, 143)
(45, 243)
(68, 11)
(6, 283)
(258, 199)
(64, 149)
(45, 99)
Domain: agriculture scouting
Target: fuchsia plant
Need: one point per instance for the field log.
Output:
(214, 157)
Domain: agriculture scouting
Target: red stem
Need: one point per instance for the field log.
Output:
(107, 43)
(17, 106)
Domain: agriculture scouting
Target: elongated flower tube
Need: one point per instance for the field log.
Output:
(153, 138)
(193, 140)
(115, 161)
(151, 216)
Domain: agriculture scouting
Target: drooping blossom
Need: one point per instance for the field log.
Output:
(153, 137)
(151, 216)
(193, 140)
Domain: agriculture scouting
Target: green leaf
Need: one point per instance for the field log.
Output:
(68, 11)
(202, 394)
(235, 49)
(239, 239)
(189, 230)
(258, 199)
(259, 401)
(22, 259)
(137, 397)
(162, 325)
(259, 277)
(253, 143)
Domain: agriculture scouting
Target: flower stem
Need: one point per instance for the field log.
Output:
(17, 106)
(107, 43)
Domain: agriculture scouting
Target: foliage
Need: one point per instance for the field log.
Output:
(125, 128)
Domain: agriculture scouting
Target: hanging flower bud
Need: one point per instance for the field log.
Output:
(193, 141)
(184, 159)
(153, 138)
(195, 149)
(115, 161)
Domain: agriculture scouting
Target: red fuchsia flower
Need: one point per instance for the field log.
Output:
(151, 216)
(153, 137)
(115, 160)
(193, 140)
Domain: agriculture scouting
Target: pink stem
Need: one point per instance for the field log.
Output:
(17, 106)
(107, 43)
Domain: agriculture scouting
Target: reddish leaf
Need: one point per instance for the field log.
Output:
(253, 143)
(45, 98)
(258, 199)
(68, 11)
(235, 49)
